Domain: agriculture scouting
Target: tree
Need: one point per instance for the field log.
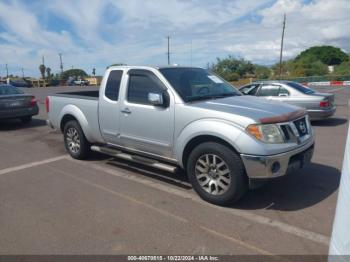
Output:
(262, 72)
(48, 72)
(342, 69)
(231, 69)
(328, 55)
(42, 69)
(93, 71)
(75, 73)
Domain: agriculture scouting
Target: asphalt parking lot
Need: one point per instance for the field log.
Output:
(52, 204)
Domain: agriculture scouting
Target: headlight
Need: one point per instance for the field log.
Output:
(269, 133)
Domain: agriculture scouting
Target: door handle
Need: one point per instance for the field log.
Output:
(126, 111)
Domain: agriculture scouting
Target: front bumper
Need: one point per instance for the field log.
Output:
(321, 114)
(278, 165)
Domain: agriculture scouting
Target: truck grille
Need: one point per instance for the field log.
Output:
(301, 126)
(296, 131)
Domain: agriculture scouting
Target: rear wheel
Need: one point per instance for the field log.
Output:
(217, 173)
(26, 119)
(75, 141)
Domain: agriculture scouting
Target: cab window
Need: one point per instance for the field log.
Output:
(250, 89)
(141, 83)
(113, 84)
(269, 90)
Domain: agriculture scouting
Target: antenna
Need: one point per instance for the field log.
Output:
(168, 53)
(284, 25)
(61, 63)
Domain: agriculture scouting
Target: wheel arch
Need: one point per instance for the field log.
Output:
(71, 112)
(195, 141)
(205, 130)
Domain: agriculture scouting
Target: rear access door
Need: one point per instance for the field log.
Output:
(109, 107)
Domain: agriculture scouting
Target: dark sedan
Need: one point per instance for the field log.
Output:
(14, 103)
(318, 105)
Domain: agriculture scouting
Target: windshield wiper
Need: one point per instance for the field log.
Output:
(212, 96)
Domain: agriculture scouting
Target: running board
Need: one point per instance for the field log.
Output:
(134, 158)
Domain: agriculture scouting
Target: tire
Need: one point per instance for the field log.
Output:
(222, 183)
(75, 141)
(26, 119)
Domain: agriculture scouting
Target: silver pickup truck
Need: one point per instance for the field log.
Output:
(189, 118)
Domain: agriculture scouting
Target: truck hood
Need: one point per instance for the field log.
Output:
(255, 108)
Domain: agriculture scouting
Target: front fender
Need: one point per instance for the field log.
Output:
(222, 129)
(79, 116)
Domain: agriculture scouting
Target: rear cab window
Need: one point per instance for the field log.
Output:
(113, 85)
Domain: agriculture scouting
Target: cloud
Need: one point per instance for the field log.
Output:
(134, 32)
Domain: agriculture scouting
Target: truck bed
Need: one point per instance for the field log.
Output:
(92, 95)
(83, 104)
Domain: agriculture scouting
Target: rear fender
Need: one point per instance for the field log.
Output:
(80, 117)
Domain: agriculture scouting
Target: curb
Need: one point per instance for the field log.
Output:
(328, 83)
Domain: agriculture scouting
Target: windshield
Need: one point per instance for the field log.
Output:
(198, 84)
(9, 90)
(301, 88)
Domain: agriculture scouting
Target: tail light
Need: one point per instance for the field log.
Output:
(324, 104)
(33, 101)
(47, 104)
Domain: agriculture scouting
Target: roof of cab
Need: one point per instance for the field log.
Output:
(148, 67)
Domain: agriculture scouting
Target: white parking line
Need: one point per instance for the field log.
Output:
(284, 227)
(31, 164)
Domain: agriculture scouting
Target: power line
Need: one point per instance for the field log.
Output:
(284, 25)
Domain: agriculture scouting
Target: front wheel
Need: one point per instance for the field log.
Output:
(75, 141)
(217, 173)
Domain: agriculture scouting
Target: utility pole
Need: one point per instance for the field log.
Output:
(7, 71)
(22, 72)
(43, 60)
(168, 53)
(61, 64)
(284, 25)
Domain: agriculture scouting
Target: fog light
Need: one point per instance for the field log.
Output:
(275, 167)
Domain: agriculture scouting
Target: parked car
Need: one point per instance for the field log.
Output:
(184, 117)
(14, 103)
(318, 105)
(81, 82)
(20, 83)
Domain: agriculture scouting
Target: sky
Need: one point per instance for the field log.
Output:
(96, 33)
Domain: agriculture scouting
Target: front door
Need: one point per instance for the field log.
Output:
(145, 127)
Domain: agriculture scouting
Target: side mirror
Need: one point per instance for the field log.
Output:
(156, 99)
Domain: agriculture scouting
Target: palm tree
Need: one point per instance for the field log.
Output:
(94, 71)
(42, 69)
(48, 72)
